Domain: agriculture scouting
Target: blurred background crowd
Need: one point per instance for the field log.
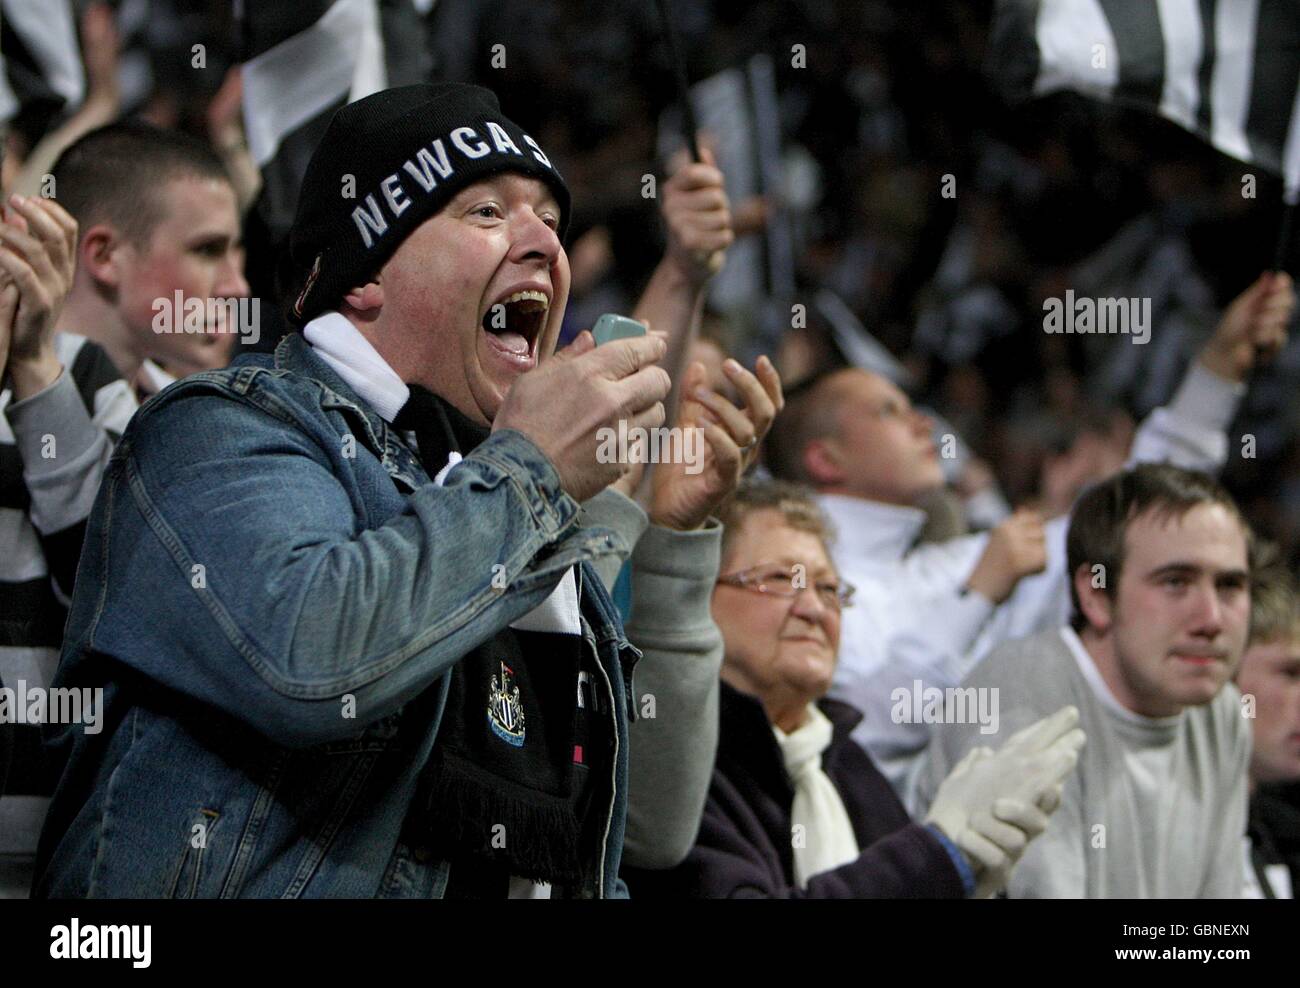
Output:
(921, 221)
(892, 213)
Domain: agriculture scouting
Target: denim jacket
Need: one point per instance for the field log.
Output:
(270, 594)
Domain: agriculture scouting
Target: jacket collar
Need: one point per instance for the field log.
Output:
(746, 741)
(872, 529)
(295, 355)
(346, 350)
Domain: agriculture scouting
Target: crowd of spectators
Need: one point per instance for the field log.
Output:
(925, 224)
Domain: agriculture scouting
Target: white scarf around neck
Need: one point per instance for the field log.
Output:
(821, 833)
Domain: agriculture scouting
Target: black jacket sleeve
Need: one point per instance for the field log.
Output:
(736, 856)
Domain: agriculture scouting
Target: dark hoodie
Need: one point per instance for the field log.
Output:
(1275, 833)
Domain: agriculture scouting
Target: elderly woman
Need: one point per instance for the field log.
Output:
(796, 809)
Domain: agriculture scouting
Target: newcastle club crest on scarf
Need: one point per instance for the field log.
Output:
(505, 710)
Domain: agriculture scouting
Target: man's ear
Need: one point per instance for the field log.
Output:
(97, 253)
(1094, 593)
(366, 299)
(822, 462)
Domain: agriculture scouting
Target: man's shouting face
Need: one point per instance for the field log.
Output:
(475, 296)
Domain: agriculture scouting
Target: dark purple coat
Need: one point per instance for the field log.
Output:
(744, 850)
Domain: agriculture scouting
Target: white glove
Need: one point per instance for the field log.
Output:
(992, 804)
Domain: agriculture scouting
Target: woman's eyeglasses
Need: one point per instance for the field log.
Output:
(790, 583)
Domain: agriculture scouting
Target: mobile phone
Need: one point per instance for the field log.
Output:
(614, 327)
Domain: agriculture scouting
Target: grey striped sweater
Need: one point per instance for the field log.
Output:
(54, 447)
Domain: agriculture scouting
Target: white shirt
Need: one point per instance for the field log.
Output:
(910, 620)
(153, 378)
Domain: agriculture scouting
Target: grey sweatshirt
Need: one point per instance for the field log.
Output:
(676, 682)
(1156, 808)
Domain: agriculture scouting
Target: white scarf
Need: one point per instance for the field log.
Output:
(821, 833)
(352, 357)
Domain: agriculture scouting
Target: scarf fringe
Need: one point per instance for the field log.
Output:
(541, 833)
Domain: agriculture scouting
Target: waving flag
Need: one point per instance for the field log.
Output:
(1227, 70)
(41, 62)
(304, 60)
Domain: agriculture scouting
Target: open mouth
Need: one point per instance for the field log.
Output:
(516, 321)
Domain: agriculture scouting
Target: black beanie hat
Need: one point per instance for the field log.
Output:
(408, 151)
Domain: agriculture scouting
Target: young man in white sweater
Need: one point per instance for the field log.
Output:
(1159, 561)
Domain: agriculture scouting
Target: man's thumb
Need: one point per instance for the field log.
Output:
(584, 342)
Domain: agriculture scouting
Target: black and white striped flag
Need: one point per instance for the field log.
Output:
(40, 59)
(304, 60)
(1227, 70)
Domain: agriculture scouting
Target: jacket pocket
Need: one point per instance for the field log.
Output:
(189, 869)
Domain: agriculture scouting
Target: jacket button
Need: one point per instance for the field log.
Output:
(421, 854)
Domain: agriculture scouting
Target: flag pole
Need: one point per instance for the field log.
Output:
(1281, 249)
(683, 83)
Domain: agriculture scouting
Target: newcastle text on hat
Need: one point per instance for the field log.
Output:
(426, 167)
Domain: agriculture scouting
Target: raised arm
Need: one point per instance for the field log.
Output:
(674, 567)
(1191, 431)
(233, 539)
(68, 404)
(697, 218)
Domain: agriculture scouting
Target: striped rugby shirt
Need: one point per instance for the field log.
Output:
(54, 447)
